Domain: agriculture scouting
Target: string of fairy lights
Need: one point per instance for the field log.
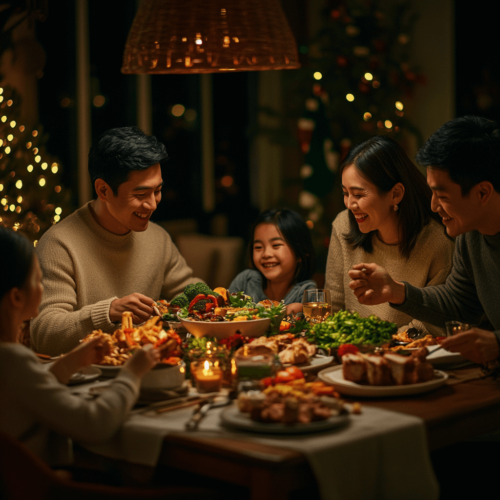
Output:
(15, 136)
(366, 79)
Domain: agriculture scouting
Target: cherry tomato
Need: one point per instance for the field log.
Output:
(347, 348)
(282, 377)
(295, 372)
(267, 382)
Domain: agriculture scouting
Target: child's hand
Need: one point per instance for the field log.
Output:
(87, 353)
(143, 360)
(294, 308)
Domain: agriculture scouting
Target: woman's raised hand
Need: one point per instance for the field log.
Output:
(372, 284)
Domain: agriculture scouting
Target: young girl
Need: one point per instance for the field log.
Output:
(282, 260)
(35, 401)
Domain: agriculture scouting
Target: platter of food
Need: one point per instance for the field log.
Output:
(119, 346)
(334, 375)
(232, 417)
(87, 374)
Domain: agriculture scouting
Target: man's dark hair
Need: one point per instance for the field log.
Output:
(383, 162)
(16, 255)
(468, 148)
(119, 151)
(294, 230)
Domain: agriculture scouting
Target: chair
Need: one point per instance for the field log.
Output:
(25, 476)
(214, 259)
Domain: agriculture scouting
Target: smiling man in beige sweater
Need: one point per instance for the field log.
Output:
(107, 257)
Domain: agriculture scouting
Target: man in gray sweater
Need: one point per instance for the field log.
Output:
(463, 171)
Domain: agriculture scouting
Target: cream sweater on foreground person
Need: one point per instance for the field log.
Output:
(85, 268)
(42, 413)
(430, 263)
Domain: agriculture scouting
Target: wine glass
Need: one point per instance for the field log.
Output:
(454, 327)
(316, 303)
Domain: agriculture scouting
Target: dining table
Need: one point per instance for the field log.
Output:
(368, 458)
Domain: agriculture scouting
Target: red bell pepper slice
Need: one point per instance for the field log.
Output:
(199, 297)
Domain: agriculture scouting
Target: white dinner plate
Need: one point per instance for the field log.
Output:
(335, 377)
(85, 375)
(234, 418)
(444, 357)
(318, 361)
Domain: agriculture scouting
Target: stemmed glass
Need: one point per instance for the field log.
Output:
(316, 303)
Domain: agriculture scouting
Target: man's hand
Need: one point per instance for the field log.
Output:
(477, 345)
(139, 305)
(372, 284)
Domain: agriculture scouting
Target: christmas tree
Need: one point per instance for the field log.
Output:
(358, 81)
(32, 197)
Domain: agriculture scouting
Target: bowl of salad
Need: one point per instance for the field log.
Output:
(220, 314)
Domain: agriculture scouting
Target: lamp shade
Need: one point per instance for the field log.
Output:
(209, 36)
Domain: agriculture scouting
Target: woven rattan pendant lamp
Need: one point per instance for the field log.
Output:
(209, 36)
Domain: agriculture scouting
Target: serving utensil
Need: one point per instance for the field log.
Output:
(199, 413)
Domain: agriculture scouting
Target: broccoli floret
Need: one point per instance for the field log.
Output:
(191, 291)
(215, 294)
(180, 301)
(200, 305)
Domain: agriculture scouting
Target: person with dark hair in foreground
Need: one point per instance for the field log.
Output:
(281, 259)
(463, 171)
(107, 258)
(389, 222)
(36, 400)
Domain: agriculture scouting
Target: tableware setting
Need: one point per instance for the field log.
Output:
(87, 374)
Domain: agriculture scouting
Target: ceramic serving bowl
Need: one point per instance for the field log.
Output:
(164, 376)
(224, 329)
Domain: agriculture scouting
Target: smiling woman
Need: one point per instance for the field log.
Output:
(388, 219)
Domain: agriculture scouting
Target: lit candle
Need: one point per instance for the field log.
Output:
(208, 378)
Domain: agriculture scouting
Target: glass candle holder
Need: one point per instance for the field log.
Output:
(206, 375)
(254, 367)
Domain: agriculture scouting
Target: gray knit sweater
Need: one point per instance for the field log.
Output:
(471, 289)
(85, 268)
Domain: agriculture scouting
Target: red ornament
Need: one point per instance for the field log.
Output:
(342, 61)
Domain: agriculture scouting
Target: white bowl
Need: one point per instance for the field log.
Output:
(164, 376)
(224, 329)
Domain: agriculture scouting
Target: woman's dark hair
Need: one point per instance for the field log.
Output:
(297, 235)
(16, 255)
(119, 151)
(468, 148)
(383, 162)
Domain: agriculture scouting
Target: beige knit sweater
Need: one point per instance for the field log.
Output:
(429, 264)
(85, 267)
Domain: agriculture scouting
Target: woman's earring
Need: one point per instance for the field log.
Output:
(396, 208)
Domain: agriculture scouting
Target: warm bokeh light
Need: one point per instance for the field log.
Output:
(388, 124)
(317, 75)
(7, 150)
(227, 181)
(19, 199)
(54, 169)
(190, 115)
(58, 210)
(34, 133)
(19, 184)
(38, 158)
(310, 224)
(30, 168)
(99, 101)
(367, 116)
(44, 165)
(13, 124)
(178, 110)
(10, 137)
(369, 76)
(42, 182)
(349, 97)
(399, 105)
(375, 84)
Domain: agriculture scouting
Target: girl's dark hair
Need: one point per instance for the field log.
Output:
(297, 235)
(383, 162)
(16, 255)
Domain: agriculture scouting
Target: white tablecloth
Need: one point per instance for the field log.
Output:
(378, 455)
